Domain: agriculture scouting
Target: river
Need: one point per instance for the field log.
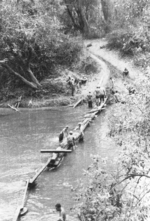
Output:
(22, 135)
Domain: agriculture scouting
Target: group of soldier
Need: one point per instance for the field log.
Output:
(100, 94)
(71, 136)
(75, 83)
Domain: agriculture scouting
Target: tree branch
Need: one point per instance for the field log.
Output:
(132, 176)
(34, 86)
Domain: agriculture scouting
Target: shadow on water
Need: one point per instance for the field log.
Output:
(21, 138)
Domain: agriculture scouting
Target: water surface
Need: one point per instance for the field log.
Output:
(22, 135)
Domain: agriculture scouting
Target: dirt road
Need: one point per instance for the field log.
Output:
(98, 48)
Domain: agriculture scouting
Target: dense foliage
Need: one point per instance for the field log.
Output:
(129, 29)
(32, 43)
(123, 192)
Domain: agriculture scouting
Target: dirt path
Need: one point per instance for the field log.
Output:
(113, 58)
(100, 79)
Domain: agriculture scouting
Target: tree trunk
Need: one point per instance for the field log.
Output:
(83, 18)
(34, 79)
(32, 85)
(76, 26)
(82, 21)
(104, 4)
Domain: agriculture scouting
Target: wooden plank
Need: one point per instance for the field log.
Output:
(55, 151)
(39, 172)
(77, 103)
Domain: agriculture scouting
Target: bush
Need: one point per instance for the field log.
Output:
(126, 41)
(33, 41)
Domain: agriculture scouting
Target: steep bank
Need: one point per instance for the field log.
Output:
(56, 91)
(129, 129)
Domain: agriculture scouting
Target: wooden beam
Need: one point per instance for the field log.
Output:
(39, 172)
(20, 208)
(25, 194)
(55, 151)
(77, 103)
(17, 214)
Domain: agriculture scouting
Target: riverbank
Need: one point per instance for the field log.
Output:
(55, 91)
(129, 130)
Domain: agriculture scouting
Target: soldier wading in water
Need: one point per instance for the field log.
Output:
(61, 211)
(71, 141)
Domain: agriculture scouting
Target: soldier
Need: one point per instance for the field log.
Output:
(125, 72)
(63, 134)
(89, 98)
(71, 83)
(81, 138)
(97, 93)
(71, 141)
(112, 85)
(102, 94)
(17, 103)
(61, 211)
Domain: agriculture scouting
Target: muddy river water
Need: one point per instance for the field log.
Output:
(22, 135)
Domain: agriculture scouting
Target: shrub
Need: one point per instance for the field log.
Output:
(33, 43)
(126, 41)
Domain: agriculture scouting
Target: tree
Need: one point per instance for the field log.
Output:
(32, 42)
(78, 11)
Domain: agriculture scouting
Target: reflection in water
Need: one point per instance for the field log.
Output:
(22, 135)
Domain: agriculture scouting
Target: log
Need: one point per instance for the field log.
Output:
(55, 151)
(101, 107)
(77, 103)
(25, 193)
(21, 210)
(17, 214)
(39, 172)
(93, 110)
(89, 45)
(85, 124)
(12, 107)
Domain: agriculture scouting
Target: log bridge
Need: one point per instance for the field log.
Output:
(59, 153)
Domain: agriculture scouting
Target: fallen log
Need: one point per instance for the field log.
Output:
(17, 214)
(89, 45)
(85, 124)
(12, 107)
(55, 151)
(93, 114)
(96, 109)
(77, 103)
(99, 108)
(24, 209)
(21, 210)
(31, 182)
